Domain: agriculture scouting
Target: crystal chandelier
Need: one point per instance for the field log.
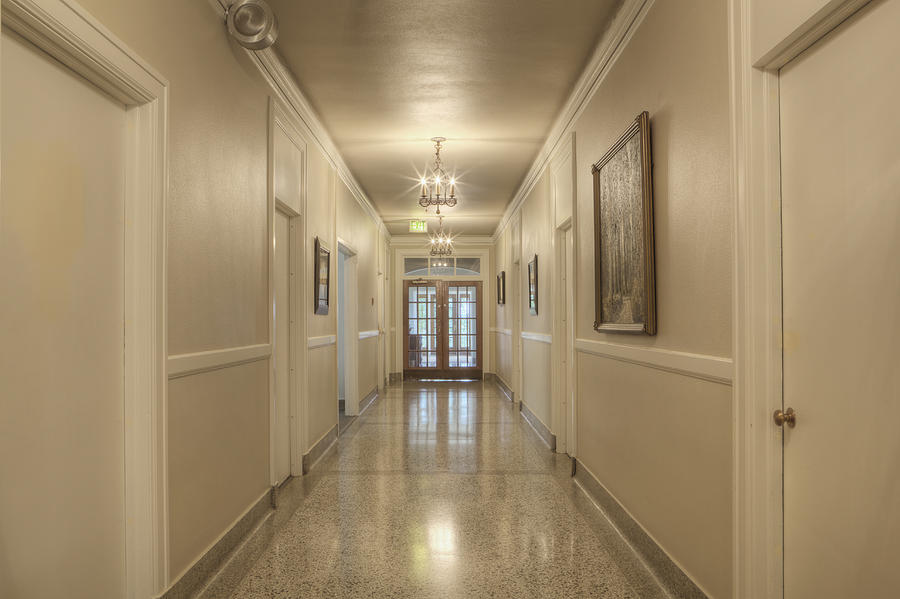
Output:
(441, 244)
(438, 190)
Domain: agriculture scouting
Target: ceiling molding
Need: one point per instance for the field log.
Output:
(282, 82)
(614, 40)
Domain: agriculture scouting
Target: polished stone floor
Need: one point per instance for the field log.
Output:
(437, 490)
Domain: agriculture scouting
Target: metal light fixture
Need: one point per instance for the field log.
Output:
(252, 23)
(441, 243)
(438, 189)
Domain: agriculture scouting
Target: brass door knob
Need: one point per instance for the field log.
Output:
(788, 417)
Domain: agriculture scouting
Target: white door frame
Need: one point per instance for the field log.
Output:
(298, 405)
(563, 348)
(519, 295)
(349, 344)
(68, 33)
(563, 344)
(758, 517)
(295, 347)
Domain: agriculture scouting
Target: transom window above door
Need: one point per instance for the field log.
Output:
(441, 267)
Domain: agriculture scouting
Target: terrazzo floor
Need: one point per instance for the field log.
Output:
(438, 490)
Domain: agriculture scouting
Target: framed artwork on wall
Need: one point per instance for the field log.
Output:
(624, 265)
(322, 278)
(501, 287)
(533, 285)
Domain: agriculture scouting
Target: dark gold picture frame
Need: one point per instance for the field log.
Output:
(624, 261)
(533, 286)
(501, 287)
(321, 278)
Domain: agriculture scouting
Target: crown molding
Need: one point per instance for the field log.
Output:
(283, 83)
(614, 40)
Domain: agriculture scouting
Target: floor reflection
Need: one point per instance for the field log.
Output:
(440, 491)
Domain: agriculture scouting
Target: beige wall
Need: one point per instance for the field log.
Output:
(536, 236)
(218, 455)
(503, 313)
(218, 421)
(356, 229)
(676, 68)
(775, 20)
(217, 261)
(321, 361)
(659, 442)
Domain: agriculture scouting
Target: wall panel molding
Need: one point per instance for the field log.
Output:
(539, 337)
(499, 331)
(322, 341)
(709, 368)
(620, 32)
(187, 364)
(368, 334)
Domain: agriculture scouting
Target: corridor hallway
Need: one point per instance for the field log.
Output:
(437, 490)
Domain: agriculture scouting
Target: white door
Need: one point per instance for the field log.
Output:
(62, 282)
(841, 253)
(282, 457)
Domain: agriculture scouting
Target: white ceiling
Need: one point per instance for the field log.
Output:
(489, 75)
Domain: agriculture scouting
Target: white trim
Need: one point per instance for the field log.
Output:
(507, 332)
(350, 309)
(368, 334)
(540, 337)
(620, 31)
(709, 368)
(562, 354)
(830, 16)
(71, 35)
(278, 118)
(322, 341)
(757, 509)
(181, 365)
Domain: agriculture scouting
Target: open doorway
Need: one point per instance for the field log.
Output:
(347, 337)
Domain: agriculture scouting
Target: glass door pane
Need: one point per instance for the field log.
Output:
(462, 325)
(423, 349)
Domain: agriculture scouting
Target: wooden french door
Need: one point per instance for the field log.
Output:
(443, 328)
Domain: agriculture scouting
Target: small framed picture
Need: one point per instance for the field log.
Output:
(533, 285)
(322, 280)
(501, 287)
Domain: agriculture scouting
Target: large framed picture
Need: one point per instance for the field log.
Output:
(624, 268)
(322, 278)
(533, 285)
(501, 287)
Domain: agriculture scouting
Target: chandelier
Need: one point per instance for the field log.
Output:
(438, 189)
(441, 244)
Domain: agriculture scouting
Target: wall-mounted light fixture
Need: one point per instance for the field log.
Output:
(252, 23)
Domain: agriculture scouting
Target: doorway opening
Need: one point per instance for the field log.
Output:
(443, 329)
(347, 337)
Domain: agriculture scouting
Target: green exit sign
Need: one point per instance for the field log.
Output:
(418, 226)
